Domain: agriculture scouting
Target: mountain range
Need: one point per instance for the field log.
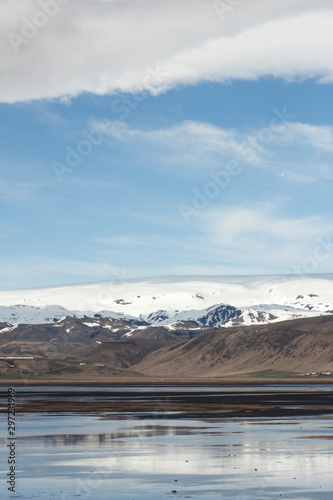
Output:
(175, 302)
(169, 327)
(67, 352)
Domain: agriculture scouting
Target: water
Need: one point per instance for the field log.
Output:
(130, 456)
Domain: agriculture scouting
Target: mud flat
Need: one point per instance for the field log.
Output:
(181, 401)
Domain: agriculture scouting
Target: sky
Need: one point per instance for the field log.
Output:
(164, 137)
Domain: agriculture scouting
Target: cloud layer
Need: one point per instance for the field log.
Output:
(56, 48)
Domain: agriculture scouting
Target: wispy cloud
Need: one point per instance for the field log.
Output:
(122, 241)
(80, 182)
(19, 192)
(260, 233)
(77, 50)
(190, 143)
(198, 146)
(161, 217)
(319, 137)
(232, 224)
(60, 270)
(295, 177)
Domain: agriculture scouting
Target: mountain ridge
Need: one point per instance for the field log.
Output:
(165, 301)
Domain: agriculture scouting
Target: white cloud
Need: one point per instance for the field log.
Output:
(189, 143)
(104, 46)
(190, 146)
(295, 177)
(232, 224)
(279, 48)
(320, 137)
(259, 234)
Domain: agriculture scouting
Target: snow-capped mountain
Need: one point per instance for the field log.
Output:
(211, 316)
(202, 301)
(27, 314)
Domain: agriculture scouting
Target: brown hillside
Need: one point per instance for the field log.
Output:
(125, 353)
(291, 346)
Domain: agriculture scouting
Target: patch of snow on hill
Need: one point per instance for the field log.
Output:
(8, 329)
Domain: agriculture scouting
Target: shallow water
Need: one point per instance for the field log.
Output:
(63, 456)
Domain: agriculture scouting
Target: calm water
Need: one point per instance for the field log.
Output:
(121, 456)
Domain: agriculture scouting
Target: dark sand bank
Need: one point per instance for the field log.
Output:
(186, 403)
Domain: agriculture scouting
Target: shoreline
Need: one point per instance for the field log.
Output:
(114, 381)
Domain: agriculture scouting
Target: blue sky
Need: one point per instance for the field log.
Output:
(128, 152)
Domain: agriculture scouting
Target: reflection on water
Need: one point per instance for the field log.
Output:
(85, 456)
